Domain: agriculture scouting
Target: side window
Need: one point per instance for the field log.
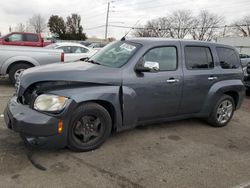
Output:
(165, 56)
(31, 38)
(84, 50)
(15, 38)
(66, 49)
(198, 57)
(228, 58)
(76, 49)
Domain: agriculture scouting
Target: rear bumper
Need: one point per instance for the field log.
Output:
(37, 128)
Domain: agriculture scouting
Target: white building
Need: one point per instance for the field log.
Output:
(242, 44)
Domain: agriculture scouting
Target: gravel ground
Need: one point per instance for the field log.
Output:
(186, 153)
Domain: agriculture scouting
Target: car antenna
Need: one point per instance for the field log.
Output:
(124, 37)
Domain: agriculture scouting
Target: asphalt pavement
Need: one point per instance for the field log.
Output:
(187, 153)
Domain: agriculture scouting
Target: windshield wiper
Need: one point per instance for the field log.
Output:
(94, 62)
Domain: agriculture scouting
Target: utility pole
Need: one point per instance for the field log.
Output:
(107, 22)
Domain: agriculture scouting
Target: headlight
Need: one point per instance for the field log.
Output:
(50, 103)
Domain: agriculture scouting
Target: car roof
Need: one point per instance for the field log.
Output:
(148, 40)
(70, 44)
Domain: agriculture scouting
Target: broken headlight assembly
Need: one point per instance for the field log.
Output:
(50, 103)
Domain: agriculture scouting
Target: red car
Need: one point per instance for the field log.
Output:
(23, 39)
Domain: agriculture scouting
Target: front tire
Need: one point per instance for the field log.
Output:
(222, 112)
(90, 126)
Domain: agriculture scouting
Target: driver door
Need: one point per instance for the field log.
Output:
(157, 95)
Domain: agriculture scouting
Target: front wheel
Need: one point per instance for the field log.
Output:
(222, 112)
(89, 128)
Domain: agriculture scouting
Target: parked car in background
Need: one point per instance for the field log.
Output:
(245, 59)
(97, 45)
(246, 71)
(73, 51)
(15, 59)
(128, 83)
(23, 39)
(86, 43)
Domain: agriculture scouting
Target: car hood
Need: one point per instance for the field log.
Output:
(80, 71)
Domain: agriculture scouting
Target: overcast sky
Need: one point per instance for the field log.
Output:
(123, 12)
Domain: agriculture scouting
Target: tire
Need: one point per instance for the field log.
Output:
(85, 131)
(15, 68)
(248, 92)
(214, 120)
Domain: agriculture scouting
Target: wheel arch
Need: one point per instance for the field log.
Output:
(233, 88)
(16, 63)
(16, 60)
(108, 106)
(234, 95)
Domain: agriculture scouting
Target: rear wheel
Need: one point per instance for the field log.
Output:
(248, 92)
(222, 112)
(16, 70)
(90, 126)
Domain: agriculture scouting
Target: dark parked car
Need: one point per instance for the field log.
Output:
(128, 83)
(246, 71)
(245, 59)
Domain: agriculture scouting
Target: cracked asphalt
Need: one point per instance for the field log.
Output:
(186, 153)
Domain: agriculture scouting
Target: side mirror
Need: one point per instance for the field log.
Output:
(7, 40)
(147, 66)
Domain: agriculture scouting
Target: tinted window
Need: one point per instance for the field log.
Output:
(165, 56)
(15, 38)
(198, 57)
(228, 58)
(31, 38)
(66, 49)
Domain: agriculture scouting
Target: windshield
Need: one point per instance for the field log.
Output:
(115, 54)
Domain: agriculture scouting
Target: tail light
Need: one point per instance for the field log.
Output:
(62, 57)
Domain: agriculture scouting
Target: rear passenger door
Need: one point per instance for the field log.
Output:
(199, 76)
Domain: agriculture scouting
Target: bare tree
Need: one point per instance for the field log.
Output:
(206, 26)
(242, 27)
(154, 28)
(180, 23)
(38, 23)
(20, 27)
(176, 25)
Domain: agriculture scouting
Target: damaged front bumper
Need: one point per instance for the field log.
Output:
(36, 128)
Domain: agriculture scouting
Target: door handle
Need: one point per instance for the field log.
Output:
(212, 78)
(172, 80)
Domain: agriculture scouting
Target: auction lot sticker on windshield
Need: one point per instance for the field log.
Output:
(127, 47)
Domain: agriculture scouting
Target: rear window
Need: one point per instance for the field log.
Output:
(198, 57)
(228, 58)
(31, 38)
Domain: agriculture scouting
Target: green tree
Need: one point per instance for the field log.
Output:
(74, 28)
(57, 26)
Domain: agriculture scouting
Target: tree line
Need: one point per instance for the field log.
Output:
(71, 29)
(180, 24)
(205, 26)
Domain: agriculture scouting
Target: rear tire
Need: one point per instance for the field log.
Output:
(90, 126)
(222, 112)
(248, 92)
(16, 70)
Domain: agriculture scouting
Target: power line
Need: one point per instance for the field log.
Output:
(155, 28)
